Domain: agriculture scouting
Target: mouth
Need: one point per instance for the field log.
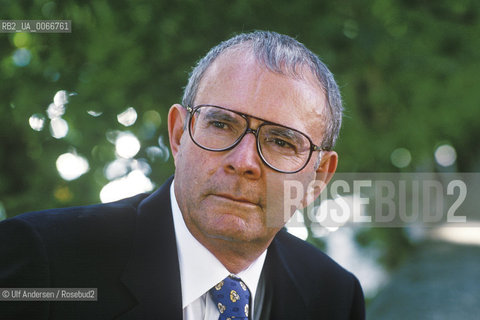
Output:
(240, 200)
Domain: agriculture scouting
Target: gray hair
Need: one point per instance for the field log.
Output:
(284, 55)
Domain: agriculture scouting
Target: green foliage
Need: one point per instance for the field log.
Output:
(391, 243)
(408, 72)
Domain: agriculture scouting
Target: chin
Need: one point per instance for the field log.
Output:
(237, 232)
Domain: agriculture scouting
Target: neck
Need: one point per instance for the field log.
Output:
(234, 256)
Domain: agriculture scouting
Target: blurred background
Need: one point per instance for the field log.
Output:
(83, 116)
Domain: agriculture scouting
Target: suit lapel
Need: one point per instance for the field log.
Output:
(284, 298)
(152, 273)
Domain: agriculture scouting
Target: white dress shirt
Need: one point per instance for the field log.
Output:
(200, 270)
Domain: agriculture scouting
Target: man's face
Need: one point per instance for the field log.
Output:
(224, 195)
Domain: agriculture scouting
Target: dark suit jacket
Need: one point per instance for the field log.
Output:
(127, 250)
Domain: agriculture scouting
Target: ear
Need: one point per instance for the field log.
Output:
(176, 120)
(323, 175)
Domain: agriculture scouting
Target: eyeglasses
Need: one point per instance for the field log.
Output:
(281, 148)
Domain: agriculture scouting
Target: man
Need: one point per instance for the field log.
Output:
(258, 110)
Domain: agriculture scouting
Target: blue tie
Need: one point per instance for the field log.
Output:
(232, 298)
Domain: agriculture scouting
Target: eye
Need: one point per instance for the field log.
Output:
(219, 125)
(285, 144)
(280, 143)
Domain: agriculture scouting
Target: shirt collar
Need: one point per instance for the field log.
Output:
(200, 270)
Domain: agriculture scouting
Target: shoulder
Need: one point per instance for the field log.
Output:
(37, 245)
(64, 221)
(307, 257)
(98, 211)
(319, 277)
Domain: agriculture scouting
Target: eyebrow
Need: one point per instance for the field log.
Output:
(286, 133)
(221, 115)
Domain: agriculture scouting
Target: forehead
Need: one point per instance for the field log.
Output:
(238, 82)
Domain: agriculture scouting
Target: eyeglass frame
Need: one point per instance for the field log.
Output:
(247, 117)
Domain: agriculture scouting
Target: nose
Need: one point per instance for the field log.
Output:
(243, 159)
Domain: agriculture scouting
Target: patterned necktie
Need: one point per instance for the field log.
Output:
(232, 298)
